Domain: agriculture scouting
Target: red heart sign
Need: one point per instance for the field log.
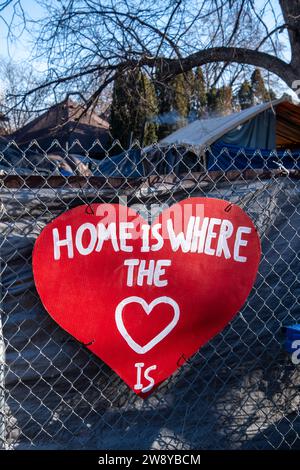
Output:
(143, 297)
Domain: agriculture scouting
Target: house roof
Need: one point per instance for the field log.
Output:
(65, 122)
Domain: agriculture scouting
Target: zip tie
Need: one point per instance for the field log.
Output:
(89, 208)
(88, 344)
(282, 168)
(229, 207)
(181, 360)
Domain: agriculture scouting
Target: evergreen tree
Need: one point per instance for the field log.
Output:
(254, 92)
(224, 100)
(119, 117)
(219, 100)
(259, 91)
(165, 96)
(175, 95)
(150, 110)
(272, 94)
(212, 100)
(245, 95)
(181, 97)
(198, 96)
(134, 107)
(174, 99)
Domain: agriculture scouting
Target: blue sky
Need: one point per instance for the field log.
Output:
(20, 49)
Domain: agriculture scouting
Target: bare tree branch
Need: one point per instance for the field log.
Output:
(87, 42)
(231, 54)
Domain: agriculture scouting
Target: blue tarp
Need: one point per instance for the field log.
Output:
(137, 162)
(292, 334)
(126, 164)
(259, 132)
(154, 161)
(225, 157)
(133, 163)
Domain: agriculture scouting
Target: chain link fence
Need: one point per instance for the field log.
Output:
(240, 391)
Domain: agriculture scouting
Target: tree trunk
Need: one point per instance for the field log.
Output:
(291, 14)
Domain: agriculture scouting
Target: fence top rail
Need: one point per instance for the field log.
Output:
(38, 181)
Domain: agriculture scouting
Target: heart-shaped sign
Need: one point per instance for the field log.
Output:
(145, 298)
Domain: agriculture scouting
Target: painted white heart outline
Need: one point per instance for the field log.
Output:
(148, 309)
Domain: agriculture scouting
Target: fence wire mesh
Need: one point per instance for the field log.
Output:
(240, 391)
